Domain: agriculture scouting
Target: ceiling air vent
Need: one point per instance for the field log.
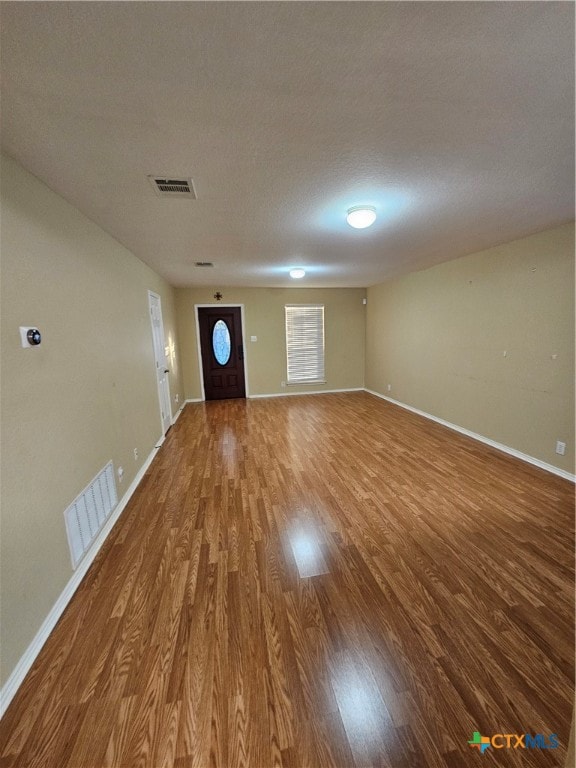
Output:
(168, 187)
(203, 264)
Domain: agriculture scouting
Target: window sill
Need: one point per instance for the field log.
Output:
(304, 383)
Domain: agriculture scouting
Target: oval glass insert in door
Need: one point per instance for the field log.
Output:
(221, 345)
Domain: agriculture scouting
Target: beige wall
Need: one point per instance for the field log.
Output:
(85, 396)
(344, 322)
(439, 338)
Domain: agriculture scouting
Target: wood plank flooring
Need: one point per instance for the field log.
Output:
(307, 582)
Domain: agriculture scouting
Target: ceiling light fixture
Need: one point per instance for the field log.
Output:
(297, 273)
(361, 216)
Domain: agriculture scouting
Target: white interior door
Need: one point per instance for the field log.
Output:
(162, 369)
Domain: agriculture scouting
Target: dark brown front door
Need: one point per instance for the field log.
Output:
(222, 352)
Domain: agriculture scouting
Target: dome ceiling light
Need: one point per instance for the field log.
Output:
(361, 216)
(297, 273)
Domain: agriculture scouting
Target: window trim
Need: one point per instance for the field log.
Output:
(321, 348)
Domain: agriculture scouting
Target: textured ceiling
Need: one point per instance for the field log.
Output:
(455, 120)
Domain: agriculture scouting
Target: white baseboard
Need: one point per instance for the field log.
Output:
(287, 394)
(178, 413)
(486, 440)
(316, 392)
(28, 657)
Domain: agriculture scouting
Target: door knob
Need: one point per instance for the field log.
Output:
(166, 370)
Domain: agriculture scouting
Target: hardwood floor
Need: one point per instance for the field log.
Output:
(313, 581)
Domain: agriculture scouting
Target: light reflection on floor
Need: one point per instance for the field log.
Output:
(306, 544)
(367, 721)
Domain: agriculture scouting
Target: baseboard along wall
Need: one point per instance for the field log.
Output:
(481, 438)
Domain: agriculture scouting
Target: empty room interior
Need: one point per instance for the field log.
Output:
(287, 368)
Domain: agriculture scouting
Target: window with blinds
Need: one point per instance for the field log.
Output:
(305, 343)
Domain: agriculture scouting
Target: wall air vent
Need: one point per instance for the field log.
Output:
(203, 264)
(87, 514)
(168, 187)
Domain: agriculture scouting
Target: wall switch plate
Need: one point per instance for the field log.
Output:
(560, 447)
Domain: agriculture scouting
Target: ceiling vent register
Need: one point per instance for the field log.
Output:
(168, 187)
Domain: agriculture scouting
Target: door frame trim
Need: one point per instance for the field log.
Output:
(153, 294)
(199, 348)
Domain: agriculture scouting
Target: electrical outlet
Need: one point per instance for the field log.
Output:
(560, 447)
(389, 387)
(135, 454)
(177, 397)
(120, 474)
(282, 383)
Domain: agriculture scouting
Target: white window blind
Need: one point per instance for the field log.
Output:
(305, 343)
